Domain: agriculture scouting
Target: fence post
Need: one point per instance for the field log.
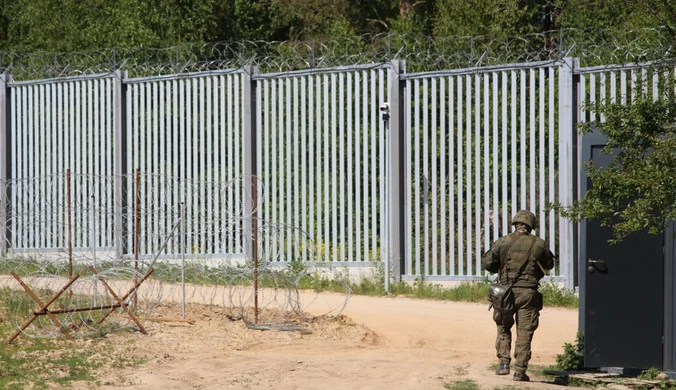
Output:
(250, 150)
(397, 169)
(567, 166)
(120, 168)
(5, 161)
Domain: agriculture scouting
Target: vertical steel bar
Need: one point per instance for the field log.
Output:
(409, 182)
(268, 159)
(341, 165)
(418, 175)
(274, 156)
(567, 127)
(424, 177)
(486, 108)
(5, 147)
(328, 244)
(374, 164)
(505, 207)
(304, 205)
(477, 175)
(350, 171)
(495, 217)
(70, 225)
(460, 178)
(290, 173)
(468, 170)
(542, 225)
(452, 174)
(15, 101)
(335, 241)
(201, 221)
(231, 152)
(312, 169)
(249, 163)
(137, 210)
(553, 72)
(442, 175)
(254, 242)
(208, 180)
(531, 145)
(365, 145)
(434, 157)
(383, 217)
(522, 142)
(514, 166)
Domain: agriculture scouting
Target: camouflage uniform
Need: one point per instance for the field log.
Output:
(510, 252)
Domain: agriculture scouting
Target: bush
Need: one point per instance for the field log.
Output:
(553, 295)
(572, 358)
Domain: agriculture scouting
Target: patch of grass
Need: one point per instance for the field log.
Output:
(553, 295)
(30, 363)
(556, 296)
(649, 374)
(466, 384)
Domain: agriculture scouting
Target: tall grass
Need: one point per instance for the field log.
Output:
(553, 295)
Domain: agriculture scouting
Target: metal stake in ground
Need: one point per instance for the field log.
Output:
(254, 243)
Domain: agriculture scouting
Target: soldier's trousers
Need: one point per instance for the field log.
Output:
(527, 306)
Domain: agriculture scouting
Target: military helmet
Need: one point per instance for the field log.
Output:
(525, 217)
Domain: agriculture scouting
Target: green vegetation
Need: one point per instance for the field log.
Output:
(637, 190)
(553, 295)
(296, 274)
(466, 384)
(45, 363)
(32, 25)
(649, 374)
(572, 358)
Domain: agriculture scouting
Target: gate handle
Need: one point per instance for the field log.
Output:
(592, 261)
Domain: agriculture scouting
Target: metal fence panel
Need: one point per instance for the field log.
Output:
(185, 136)
(323, 163)
(56, 126)
(482, 144)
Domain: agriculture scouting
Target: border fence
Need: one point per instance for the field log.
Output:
(417, 172)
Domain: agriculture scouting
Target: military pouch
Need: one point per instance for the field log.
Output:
(501, 296)
(537, 300)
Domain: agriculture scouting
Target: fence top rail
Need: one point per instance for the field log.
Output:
(482, 69)
(58, 80)
(181, 76)
(316, 71)
(621, 67)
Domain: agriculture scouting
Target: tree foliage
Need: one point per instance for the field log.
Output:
(74, 25)
(638, 189)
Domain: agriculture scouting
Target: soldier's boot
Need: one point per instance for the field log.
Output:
(502, 370)
(521, 377)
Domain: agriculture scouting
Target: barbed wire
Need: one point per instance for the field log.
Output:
(422, 53)
(176, 272)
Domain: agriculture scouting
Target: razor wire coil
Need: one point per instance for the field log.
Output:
(423, 53)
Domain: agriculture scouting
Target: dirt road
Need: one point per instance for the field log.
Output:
(380, 343)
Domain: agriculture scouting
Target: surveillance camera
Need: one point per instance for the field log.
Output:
(385, 107)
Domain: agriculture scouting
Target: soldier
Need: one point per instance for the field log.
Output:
(522, 259)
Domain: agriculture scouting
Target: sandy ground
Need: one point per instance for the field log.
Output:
(376, 343)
